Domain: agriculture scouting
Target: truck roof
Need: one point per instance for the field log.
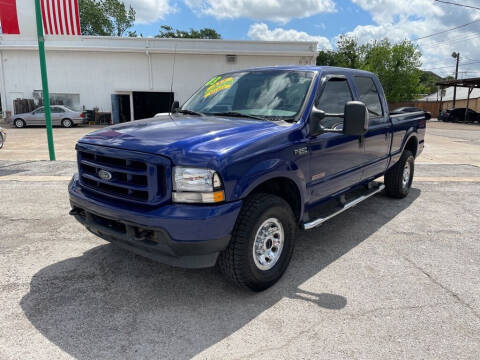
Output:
(312, 68)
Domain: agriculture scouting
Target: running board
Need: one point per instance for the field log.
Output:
(317, 222)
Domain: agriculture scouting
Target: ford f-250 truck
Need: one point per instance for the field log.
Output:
(252, 156)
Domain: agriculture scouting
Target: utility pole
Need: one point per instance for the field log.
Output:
(455, 55)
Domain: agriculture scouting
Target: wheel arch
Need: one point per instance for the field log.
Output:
(283, 186)
(411, 143)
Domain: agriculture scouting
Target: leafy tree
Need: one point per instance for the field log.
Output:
(396, 65)
(105, 17)
(93, 21)
(120, 18)
(205, 33)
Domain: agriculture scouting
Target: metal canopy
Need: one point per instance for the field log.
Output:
(469, 83)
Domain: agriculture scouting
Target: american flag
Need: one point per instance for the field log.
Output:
(59, 17)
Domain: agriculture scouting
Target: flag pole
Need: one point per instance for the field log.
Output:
(43, 70)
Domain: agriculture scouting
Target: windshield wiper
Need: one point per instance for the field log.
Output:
(189, 112)
(236, 114)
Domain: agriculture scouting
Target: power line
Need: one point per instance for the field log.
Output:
(444, 31)
(463, 5)
(450, 66)
(460, 39)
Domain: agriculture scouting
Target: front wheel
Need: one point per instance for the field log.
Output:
(262, 243)
(1, 141)
(19, 123)
(399, 178)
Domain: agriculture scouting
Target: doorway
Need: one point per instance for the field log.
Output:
(121, 111)
(147, 104)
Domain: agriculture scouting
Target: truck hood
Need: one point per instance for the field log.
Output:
(182, 136)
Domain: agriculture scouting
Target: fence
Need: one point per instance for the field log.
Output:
(434, 107)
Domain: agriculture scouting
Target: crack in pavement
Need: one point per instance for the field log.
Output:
(438, 283)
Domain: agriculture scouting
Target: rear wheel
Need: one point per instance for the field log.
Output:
(262, 243)
(19, 123)
(398, 179)
(67, 123)
(1, 141)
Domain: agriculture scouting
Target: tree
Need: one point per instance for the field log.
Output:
(105, 17)
(396, 65)
(120, 18)
(92, 19)
(205, 33)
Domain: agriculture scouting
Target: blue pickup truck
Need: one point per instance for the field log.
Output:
(253, 156)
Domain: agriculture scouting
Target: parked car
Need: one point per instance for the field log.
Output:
(3, 136)
(406, 109)
(253, 155)
(458, 115)
(61, 115)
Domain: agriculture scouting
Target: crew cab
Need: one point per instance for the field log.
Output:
(228, 178)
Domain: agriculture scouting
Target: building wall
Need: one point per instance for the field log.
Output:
(96, 75)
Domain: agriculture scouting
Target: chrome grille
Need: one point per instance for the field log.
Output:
(132, 176)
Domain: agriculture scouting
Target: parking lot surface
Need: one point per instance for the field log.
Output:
(387, 279)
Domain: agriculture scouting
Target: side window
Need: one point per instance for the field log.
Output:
(56, 109)
(39, 111)
(332, 100)
(368, 94)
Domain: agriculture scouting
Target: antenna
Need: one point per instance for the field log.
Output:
(173, 72)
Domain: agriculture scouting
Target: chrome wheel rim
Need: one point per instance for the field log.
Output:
(67, 123)
(406, 174)
(268, 244)
(18, 123)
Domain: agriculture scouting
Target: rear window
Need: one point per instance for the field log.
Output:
(368, 94)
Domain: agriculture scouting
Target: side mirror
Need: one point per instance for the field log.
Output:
(355, 121)
(175, 107)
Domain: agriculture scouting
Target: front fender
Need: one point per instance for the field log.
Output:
(266, 170)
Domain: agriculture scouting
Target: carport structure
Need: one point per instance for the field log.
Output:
(470, 83)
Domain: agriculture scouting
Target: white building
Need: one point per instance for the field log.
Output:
(131, 77)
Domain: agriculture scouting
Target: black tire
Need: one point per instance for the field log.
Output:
(237, 261)
(67, 123)
(19, 123)
(396, 185)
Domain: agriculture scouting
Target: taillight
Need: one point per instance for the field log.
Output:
(82, 115)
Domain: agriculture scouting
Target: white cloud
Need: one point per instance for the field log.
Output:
(383, 11)
(275, 10)
(148, 11)
(398, 20)
(262, 32)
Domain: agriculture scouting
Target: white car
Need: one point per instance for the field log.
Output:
(61, 115)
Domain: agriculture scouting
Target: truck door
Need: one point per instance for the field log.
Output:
(335, 158)
(379, 135)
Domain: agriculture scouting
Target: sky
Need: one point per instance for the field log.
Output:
(324, 20)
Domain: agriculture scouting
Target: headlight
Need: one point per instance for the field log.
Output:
(193, 185)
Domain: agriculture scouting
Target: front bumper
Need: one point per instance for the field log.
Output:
(189, 236)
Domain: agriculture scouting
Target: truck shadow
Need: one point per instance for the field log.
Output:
(109, 303)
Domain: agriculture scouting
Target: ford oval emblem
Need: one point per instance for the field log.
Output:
(105, 175)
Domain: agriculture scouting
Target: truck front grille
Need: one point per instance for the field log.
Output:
(124, 175)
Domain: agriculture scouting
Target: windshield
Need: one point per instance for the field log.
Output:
(272, 95)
